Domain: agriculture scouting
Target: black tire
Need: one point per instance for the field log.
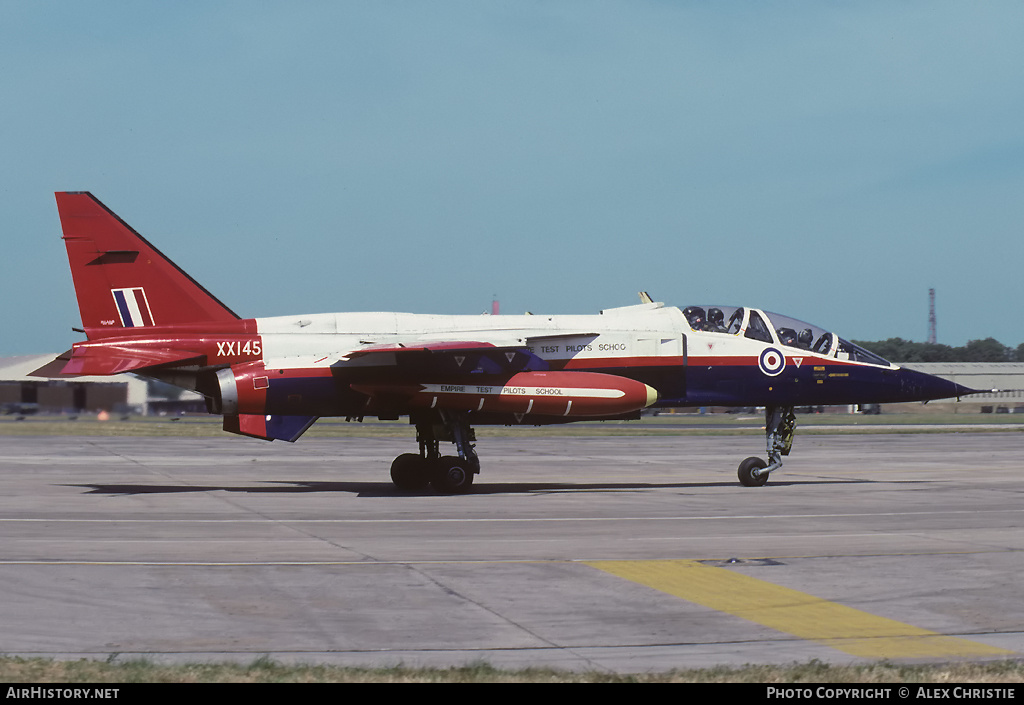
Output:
(409, 472)
(452, 475)
(746, 472)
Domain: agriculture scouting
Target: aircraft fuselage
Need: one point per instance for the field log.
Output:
(309, 363)
(271, 378)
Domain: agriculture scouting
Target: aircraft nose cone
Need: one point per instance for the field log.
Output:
(925, 387)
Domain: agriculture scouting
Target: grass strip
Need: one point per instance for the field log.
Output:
(266, 670)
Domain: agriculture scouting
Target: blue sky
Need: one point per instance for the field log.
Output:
(828, 161)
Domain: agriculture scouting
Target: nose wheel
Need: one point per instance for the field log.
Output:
(779, 428)
(750, 472)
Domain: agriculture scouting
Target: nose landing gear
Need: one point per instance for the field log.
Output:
(779, 427)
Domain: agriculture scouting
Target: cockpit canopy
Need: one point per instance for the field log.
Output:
(776, 329)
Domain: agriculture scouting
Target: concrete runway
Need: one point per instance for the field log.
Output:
(620, 554)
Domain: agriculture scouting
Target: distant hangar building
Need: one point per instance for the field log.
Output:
(24, 394)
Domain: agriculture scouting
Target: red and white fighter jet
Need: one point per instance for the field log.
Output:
(272, 378)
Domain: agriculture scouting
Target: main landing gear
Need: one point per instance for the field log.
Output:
(448, 474)
(779, 427)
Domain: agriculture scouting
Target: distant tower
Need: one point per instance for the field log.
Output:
(494, 306)
(931, 316)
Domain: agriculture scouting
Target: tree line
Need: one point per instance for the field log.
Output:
(987, 350)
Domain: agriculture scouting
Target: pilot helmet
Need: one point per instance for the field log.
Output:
(696, 316)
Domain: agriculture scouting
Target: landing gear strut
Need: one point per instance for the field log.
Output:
(446, 474)
(779, 427)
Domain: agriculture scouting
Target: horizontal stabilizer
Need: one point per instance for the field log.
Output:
(111, 360)
(54, 367)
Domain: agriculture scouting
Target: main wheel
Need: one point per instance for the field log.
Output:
(452, 475)
(409, 472)
(746, 472)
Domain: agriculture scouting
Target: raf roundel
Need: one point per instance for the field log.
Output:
(772, 362)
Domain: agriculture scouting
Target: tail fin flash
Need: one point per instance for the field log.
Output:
(121, 280)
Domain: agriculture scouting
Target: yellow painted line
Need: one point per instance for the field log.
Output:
(844, 628)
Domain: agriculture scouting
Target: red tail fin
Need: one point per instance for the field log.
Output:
(121, 280)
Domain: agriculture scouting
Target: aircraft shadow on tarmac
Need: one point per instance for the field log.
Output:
(387, 489)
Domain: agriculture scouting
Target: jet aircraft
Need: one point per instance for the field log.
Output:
(272, 378)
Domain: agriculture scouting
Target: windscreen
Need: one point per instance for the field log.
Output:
(798, 334)
(849, 351)
(790, 332)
